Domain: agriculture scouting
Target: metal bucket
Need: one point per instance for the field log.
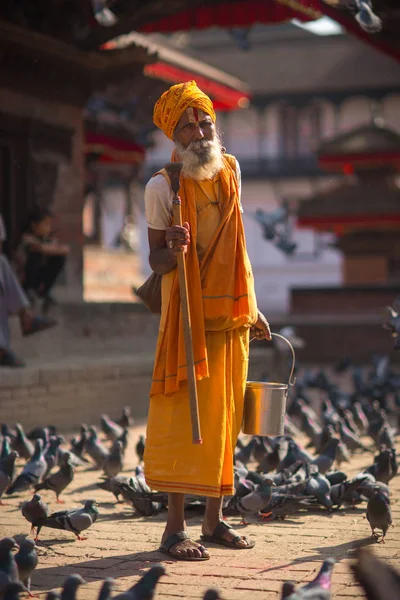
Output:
(265, 403)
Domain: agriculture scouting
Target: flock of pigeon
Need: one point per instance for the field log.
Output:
(274, 477)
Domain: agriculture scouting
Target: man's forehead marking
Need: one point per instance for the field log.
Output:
(194, 115)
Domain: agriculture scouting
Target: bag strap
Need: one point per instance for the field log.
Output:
(174, 171)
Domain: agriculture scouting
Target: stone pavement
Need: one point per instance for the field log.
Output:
(123, 545)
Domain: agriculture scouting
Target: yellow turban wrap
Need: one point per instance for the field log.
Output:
(172, 104)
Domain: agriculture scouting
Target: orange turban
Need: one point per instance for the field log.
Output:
(172, 104)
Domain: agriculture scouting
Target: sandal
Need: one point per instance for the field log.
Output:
(39, 324)
(217, 538)
(9, 359)
(174, 539)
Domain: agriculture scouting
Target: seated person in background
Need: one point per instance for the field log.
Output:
(41, 257)
(14, 302)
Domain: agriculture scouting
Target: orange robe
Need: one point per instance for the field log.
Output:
(172, 462)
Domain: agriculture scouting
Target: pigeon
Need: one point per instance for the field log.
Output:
(51, 454)
(111, 429)
(340, 492)
(142, 498)
(114, 463)
(95, 449)
(60, 480)
(32, 472)
(281, 505)
(385, 465)
(366, 17)
(335, 477)
(255, 502)
(144, 589)
(75, 520)
(35, 510)
(22, 444)
(8, 566)
(106, 589)
(351, 440)
(125, 420)
(124, 440)
(7, 473)
(42, 433)
(70, 587)
(271, 460)
(317, 589)
(319, 487)
(113, 485)
(212, 594)
(385, 437)
(5, 448)
(342, 454)
(380, 581)
(27, 560)
(140, 446)
(13, 591)
(325, 460)
(78, 444)
(379, 514)
(360, 418)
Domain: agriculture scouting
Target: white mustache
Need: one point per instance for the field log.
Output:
(200, 144)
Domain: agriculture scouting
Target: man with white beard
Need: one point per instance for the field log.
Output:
(223, 309)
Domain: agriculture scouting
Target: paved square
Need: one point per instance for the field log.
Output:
(123, 545)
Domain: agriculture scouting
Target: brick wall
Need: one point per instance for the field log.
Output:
(67, 396)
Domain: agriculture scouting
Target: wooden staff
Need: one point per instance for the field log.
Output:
(187, 328)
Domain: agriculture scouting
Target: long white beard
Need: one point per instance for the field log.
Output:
(202, 159)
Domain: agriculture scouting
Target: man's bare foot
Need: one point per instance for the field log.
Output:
(183, 547)
(227, 533)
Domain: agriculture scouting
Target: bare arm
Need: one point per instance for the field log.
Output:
(52, 248)
(163, 258)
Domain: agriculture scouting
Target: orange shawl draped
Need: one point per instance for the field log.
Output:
(220, 287)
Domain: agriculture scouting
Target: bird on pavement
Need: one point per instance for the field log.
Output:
(106, 589)
(22, 444)
(32, 473)
(125, 419)
(7, 473)
(71, 586)
(379, 580)
(379, 514)
(317, 589)
(51, 454)
(113, 485)
(325, 460)
(58, 481)
(114, 462)
(145, 588)
(27, 561)
(140, 446)
(8, 566)
(110, 429)
(75, 520)
(97, 452)
(35, 510)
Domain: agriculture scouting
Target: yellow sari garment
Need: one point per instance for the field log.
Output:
(173, 463)
(221, 287)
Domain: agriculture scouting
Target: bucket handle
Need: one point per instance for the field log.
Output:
(292, 380)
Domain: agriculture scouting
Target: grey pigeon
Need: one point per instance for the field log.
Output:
(5, 447)
(325, 460)
(113, 485)
(385, 437)
(51, 454)
(75, 520)
(384, 467)
(379, 580)
(13, 591)
(95, 449)
(342, 454)
(57, 482)
(351, 440)
(32, 472)
(35, 510)
(140, 446)
(42, 433)
(125, 420)
(111, 429)
(7, 473)
(78, 444)
(114, 462)
(124, 440)
(27, 560)
(282, 505)
(106, 589)
(341, 492)
(360, 417)
(319, 487)
(8, 566)
(255, 502)
(145, 588)
(317, 589)
(22, 444)
(379, 514)
(70, 587)
(212, 594)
